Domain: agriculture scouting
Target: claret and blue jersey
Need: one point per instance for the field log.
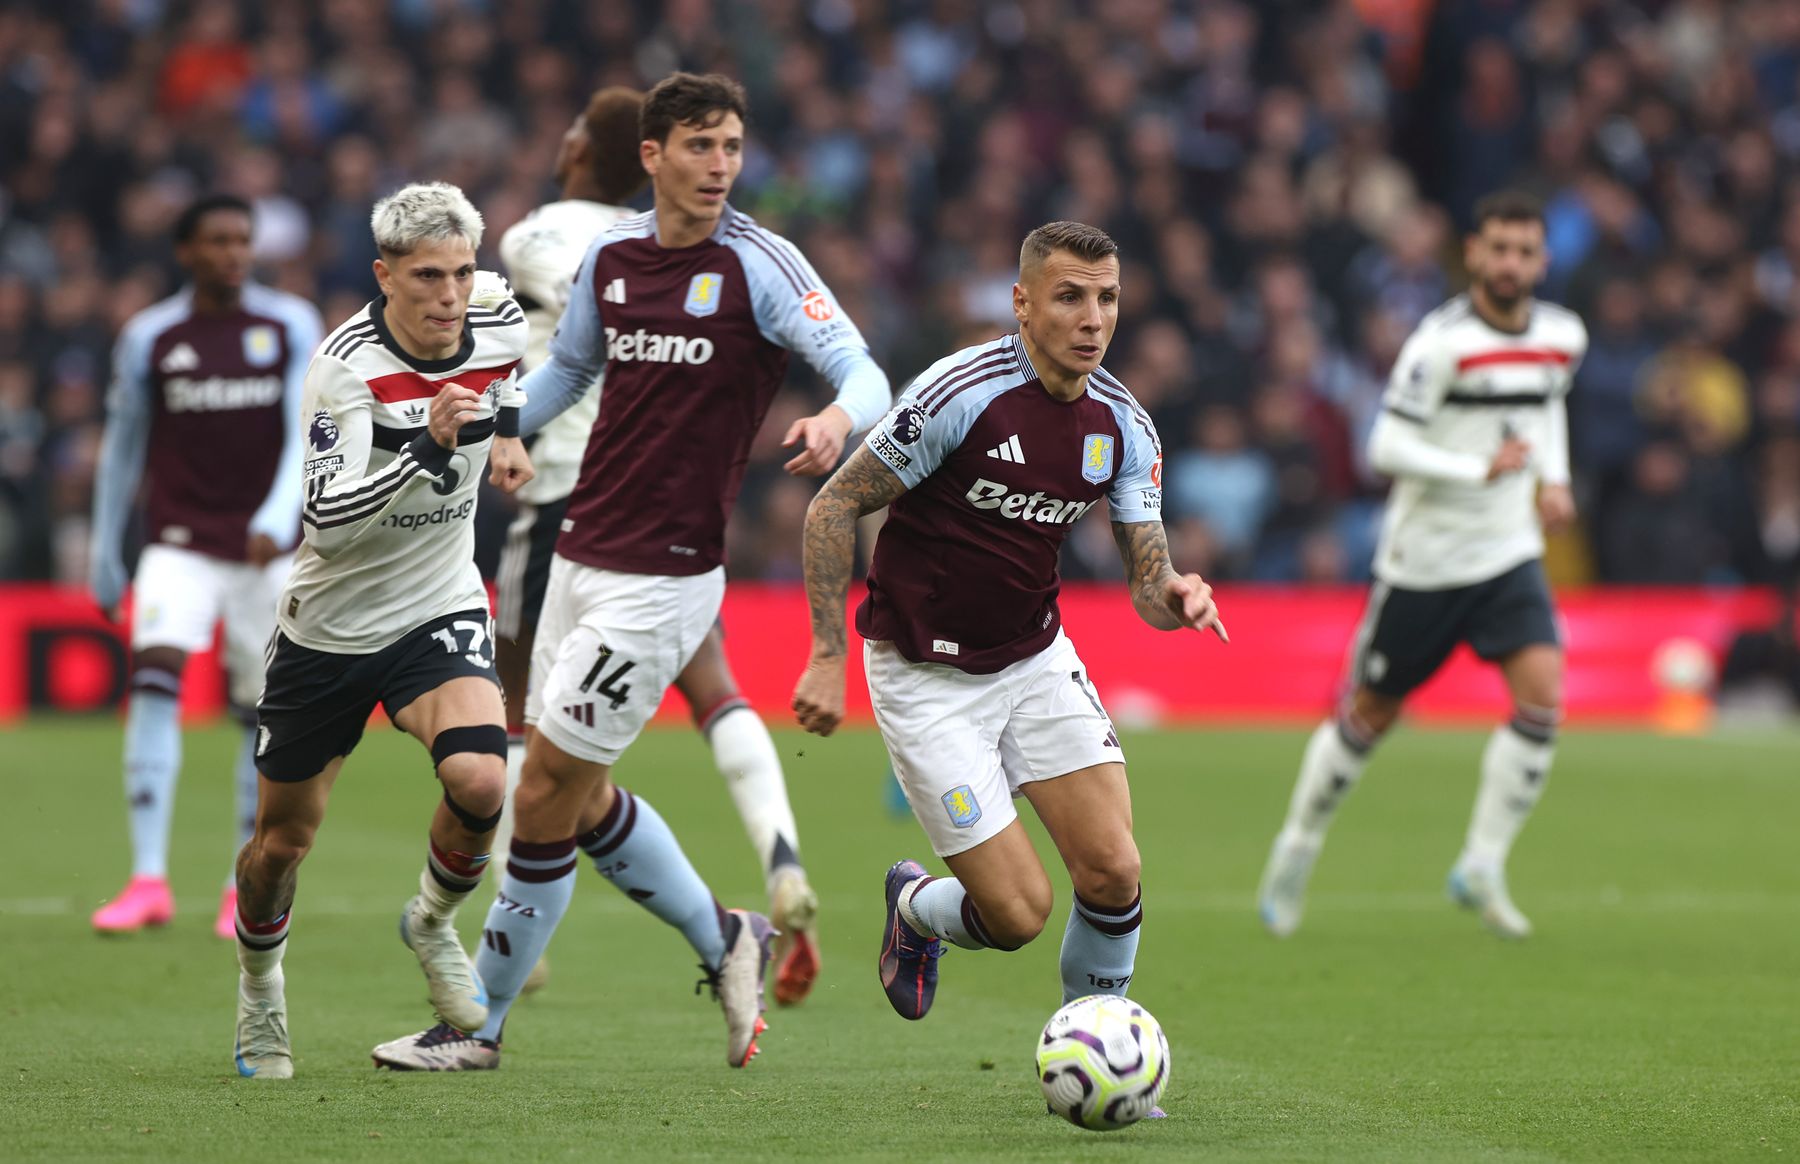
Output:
(997, 472)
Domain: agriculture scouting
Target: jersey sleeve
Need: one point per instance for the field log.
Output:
(122, 450)
(913, 442)
(796, 310)
(279, 513)
(1136, 493)
(343, 499)
(1420, 379)
(577, 353)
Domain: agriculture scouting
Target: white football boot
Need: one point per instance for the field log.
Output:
(262, 1050)
(457, 992)
(442, 1048)
(738, 984)
(1483, 888)
(1281, 898)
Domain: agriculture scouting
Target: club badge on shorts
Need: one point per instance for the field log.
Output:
(703, 294)
(1096, 457)
(959, 802)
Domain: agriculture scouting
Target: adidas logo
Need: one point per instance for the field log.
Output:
(614, 292)
(581, 713)
(414, 413)
(1008, 450)
(181, 358)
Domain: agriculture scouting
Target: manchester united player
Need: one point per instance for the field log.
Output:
(990, 458)
(691, 309)
(1475, 434)
(407, 403)
(204, 412)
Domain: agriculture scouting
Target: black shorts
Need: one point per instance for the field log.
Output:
(1407, 634)
(525, 566)
(314, 703)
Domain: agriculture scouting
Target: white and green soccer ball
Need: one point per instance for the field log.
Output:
(1103, 1062)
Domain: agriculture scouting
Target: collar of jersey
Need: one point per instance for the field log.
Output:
(378, 316)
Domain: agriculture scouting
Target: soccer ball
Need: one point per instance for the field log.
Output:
(1103, 1062)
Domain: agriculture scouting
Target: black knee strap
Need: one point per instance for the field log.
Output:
(489, 738)
(486, 737)
(475, 824)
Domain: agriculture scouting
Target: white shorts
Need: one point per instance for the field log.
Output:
(608, 645)
(179, 596)
(962, 745)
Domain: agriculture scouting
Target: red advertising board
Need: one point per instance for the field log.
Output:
(1284, 662)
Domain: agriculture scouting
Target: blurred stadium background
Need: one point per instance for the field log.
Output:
(1289, 181)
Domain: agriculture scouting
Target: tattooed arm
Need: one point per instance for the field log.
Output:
(1164, 599)
(864, 485)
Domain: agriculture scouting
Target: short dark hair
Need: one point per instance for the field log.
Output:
(611, 122)
(1078, 238)
(690, 99)
(187, 225)
(1508, 206)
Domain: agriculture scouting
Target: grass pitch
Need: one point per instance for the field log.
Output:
(1656, 1014)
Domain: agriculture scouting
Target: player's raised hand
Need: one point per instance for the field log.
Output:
(1556, 507)
(1190, 600)
(820, 440)
(509, 465)
(819, 696)
(453, 407)
(1514, 455)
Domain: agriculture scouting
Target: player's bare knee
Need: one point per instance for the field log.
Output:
(471, 765)
(1369, 714)
(1111, 880)
(281, 847)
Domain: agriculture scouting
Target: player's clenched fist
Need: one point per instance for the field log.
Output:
(819, 696)
(453, 407)
(509, 465)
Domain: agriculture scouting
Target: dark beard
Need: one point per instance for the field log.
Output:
(1503, 302)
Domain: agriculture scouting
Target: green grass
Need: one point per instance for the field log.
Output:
(1656, 1014)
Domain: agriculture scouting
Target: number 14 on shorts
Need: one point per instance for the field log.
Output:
(609, 686)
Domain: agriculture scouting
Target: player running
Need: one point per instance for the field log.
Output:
(204, 411)
(987, 462)
(1473, 427)
(597, 168)
(691, 309)
(406, 403)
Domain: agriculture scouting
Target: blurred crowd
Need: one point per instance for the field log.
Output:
(1289, 181)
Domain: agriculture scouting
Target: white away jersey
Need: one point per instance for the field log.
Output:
(541, 254)
(388, 518)
(1468, 385)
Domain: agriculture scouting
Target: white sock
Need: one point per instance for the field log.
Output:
(447, 880)
(260, 947)
(1514, 767)
(745, 756)
(1328, 771)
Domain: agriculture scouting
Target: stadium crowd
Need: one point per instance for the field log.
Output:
(1288, 181)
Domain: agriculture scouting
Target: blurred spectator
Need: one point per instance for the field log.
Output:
(1288, 182)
